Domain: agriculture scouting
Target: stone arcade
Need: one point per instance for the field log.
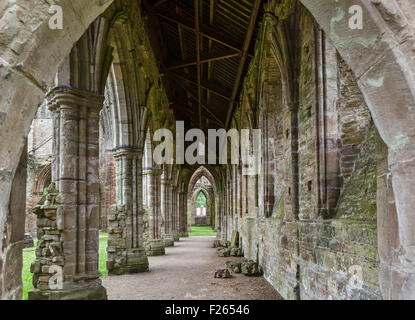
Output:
(335, 106)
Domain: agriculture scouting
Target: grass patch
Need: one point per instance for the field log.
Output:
(103, 244)
(29, 256)
(202, 231)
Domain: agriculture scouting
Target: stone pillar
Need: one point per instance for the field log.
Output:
(155, 244)
(126, 253)
(166, 213)
(175, 214)
(66, 265)
(182, 214)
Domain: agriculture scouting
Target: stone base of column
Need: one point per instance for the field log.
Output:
(87, 291)
(184, 235)
(168, 240)
(137, 261)
(155, 247)
(176, 236)
(134, 261)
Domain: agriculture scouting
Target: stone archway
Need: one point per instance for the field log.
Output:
(202, 221)
(215, 198)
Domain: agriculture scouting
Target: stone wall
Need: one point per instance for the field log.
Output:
(39, 149)
(314, 253)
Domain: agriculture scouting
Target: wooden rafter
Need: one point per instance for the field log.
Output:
(205, 84)
(244, 56)
(199, 71)
(159, 3)
(186, 110)
(206, 59)
(194, 95)
(204, 30)
(212, 10)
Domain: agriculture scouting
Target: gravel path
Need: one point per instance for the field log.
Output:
(185, 273)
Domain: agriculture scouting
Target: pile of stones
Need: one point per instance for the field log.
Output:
(246, 267)
(224, 249)
(49, 250)
(236, 252)
(229, 252)
(250, 268)
(223, 252)
(235, 266)
(116, 239)
(28, 241)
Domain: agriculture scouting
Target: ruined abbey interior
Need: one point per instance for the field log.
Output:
(329, 212)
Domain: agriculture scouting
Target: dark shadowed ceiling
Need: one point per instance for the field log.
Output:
(206, 48)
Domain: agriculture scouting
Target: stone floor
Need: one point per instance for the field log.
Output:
(185, 273)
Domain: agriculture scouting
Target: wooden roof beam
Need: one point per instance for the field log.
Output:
(244, 56)
(199, 72)
(158, 3)
(193, 94)
(205, 59)
(205, 30)
(205, 84)
(185, 110)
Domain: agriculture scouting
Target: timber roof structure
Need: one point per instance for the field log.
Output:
(207, 46)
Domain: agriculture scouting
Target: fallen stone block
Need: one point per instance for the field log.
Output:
(216, 243)
(235, 266)
(223, 252)
(250, 268)
(236, 252)
(222, 273)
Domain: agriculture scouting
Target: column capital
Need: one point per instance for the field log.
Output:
(67, 96)
(152, 171)
(127, 151)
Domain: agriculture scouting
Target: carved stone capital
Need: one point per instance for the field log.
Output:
(69, 97)
(127, 152)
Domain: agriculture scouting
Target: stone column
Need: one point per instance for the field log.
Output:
(126, 253)
(155, 244)
(183, 214)
(66, 265)
(175, 214)
(166, 213)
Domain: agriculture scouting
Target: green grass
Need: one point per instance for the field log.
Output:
(29, 256)
(202, 231)
(102, 263)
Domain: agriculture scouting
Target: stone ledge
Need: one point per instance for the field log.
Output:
(96, 293)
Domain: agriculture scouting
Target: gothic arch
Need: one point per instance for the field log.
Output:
(197, 174)
(380, 56)
(43, 179)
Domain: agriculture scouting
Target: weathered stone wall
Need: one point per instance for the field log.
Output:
(39, 149)
(313, 255)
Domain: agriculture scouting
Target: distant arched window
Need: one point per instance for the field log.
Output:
(201, 205)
